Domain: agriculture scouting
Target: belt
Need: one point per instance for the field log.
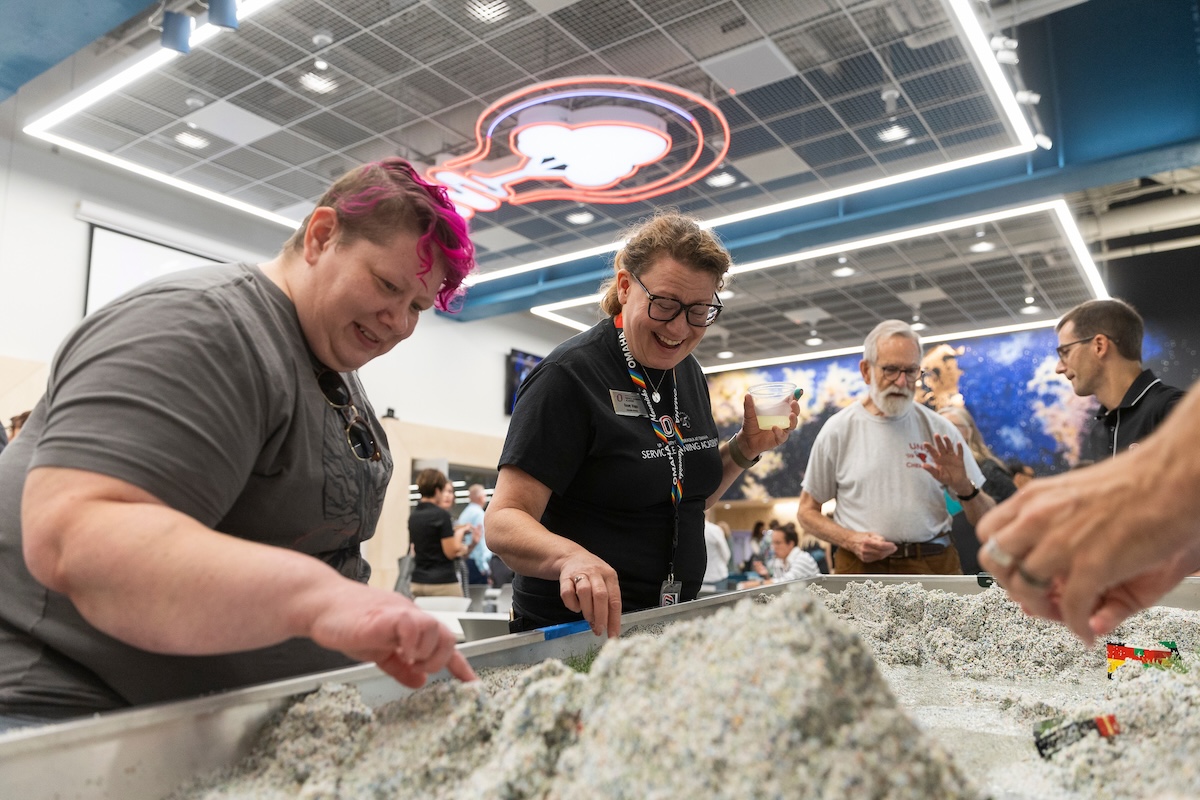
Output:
(934, 546)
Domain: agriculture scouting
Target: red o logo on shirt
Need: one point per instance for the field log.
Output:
(668, 425)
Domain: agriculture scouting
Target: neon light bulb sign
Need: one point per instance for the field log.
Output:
(587, 139)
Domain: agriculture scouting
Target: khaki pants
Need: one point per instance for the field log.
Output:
(436, 590)
(943, 563)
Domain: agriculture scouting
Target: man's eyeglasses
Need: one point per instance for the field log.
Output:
(358, 432)
(1065, 347)
(665, 309)
(911, 373)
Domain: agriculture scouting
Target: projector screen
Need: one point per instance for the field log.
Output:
(119, 262)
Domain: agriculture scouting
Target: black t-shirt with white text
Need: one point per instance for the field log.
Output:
(608, 473)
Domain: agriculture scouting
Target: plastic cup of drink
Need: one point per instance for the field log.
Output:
(773, 404)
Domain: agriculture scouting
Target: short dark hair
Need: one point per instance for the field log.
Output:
(790, 534)
(430, 482)
(1114, 318)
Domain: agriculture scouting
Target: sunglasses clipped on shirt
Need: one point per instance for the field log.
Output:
(665, 309)
(358, 432)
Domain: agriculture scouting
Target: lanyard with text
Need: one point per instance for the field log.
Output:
(667, 431)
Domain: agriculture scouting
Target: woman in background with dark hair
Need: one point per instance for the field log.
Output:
(436, 542)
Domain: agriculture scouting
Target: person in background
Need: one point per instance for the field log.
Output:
(818, 550)
(731, 562)
(1100, 353)
(997, 483)
(757, 534)
(16, 423)
(716, 547)
(184, 510)
(1021, 472)
(788, 561)
(1090, 547)
(998, 480)
(479, 559)
(886, 460)
(603, 510)
(466, 533)
(437, 544)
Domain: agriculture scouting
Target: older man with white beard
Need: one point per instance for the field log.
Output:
(886, 460)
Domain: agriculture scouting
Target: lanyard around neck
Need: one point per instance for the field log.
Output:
(665, 428)
(667, 431)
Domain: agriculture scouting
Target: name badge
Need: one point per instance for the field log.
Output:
(627, 404)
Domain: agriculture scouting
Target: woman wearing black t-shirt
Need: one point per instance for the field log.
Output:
(435, 542)
(612, 454)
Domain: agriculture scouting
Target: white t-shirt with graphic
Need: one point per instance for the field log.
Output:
(872, 465)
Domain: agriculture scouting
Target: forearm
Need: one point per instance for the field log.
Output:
(821, 526)
(159, 580)
(527, 546)
(977, 506)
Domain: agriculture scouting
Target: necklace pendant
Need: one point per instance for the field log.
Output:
(656, 397)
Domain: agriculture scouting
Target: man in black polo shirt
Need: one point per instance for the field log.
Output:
(1100, 353)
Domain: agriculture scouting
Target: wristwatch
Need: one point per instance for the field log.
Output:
(965, 497)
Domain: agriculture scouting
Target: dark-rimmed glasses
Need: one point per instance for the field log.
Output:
(358, 432)
(911, 373)
(698, 315)
(1065, 347)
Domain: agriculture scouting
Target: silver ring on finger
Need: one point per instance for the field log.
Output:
(577, 578)
(1002, 558)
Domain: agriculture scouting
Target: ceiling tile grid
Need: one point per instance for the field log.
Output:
(415, 76)
(872, 89)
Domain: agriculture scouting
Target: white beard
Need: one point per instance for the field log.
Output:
(889, 401)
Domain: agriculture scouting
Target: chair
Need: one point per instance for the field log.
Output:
(453, 604)
(404, 576)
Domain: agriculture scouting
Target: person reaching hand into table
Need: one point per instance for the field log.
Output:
(612, 454)
(184, 511)
(1092, 546)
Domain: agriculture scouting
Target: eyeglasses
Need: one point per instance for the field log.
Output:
(1065, 348)
(358, 432)
(892, 372)
(698, 315)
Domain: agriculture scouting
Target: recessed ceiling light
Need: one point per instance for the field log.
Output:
(192, 140)
(842, 259)
(321, 64)
(1029, 300)
(1031, 309)
(843, 272)
(726, 294)
(982, 247)
(487, 10)
(720, 180)
(814, 341)
(725, 354)
(317, 83)
(918, 326)
(892, 133)
(580, 217)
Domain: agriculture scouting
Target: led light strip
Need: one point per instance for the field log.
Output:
(1062, 214)
(131, 70)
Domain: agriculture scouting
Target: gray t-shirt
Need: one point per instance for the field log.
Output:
(872, 465)
(200, 389)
